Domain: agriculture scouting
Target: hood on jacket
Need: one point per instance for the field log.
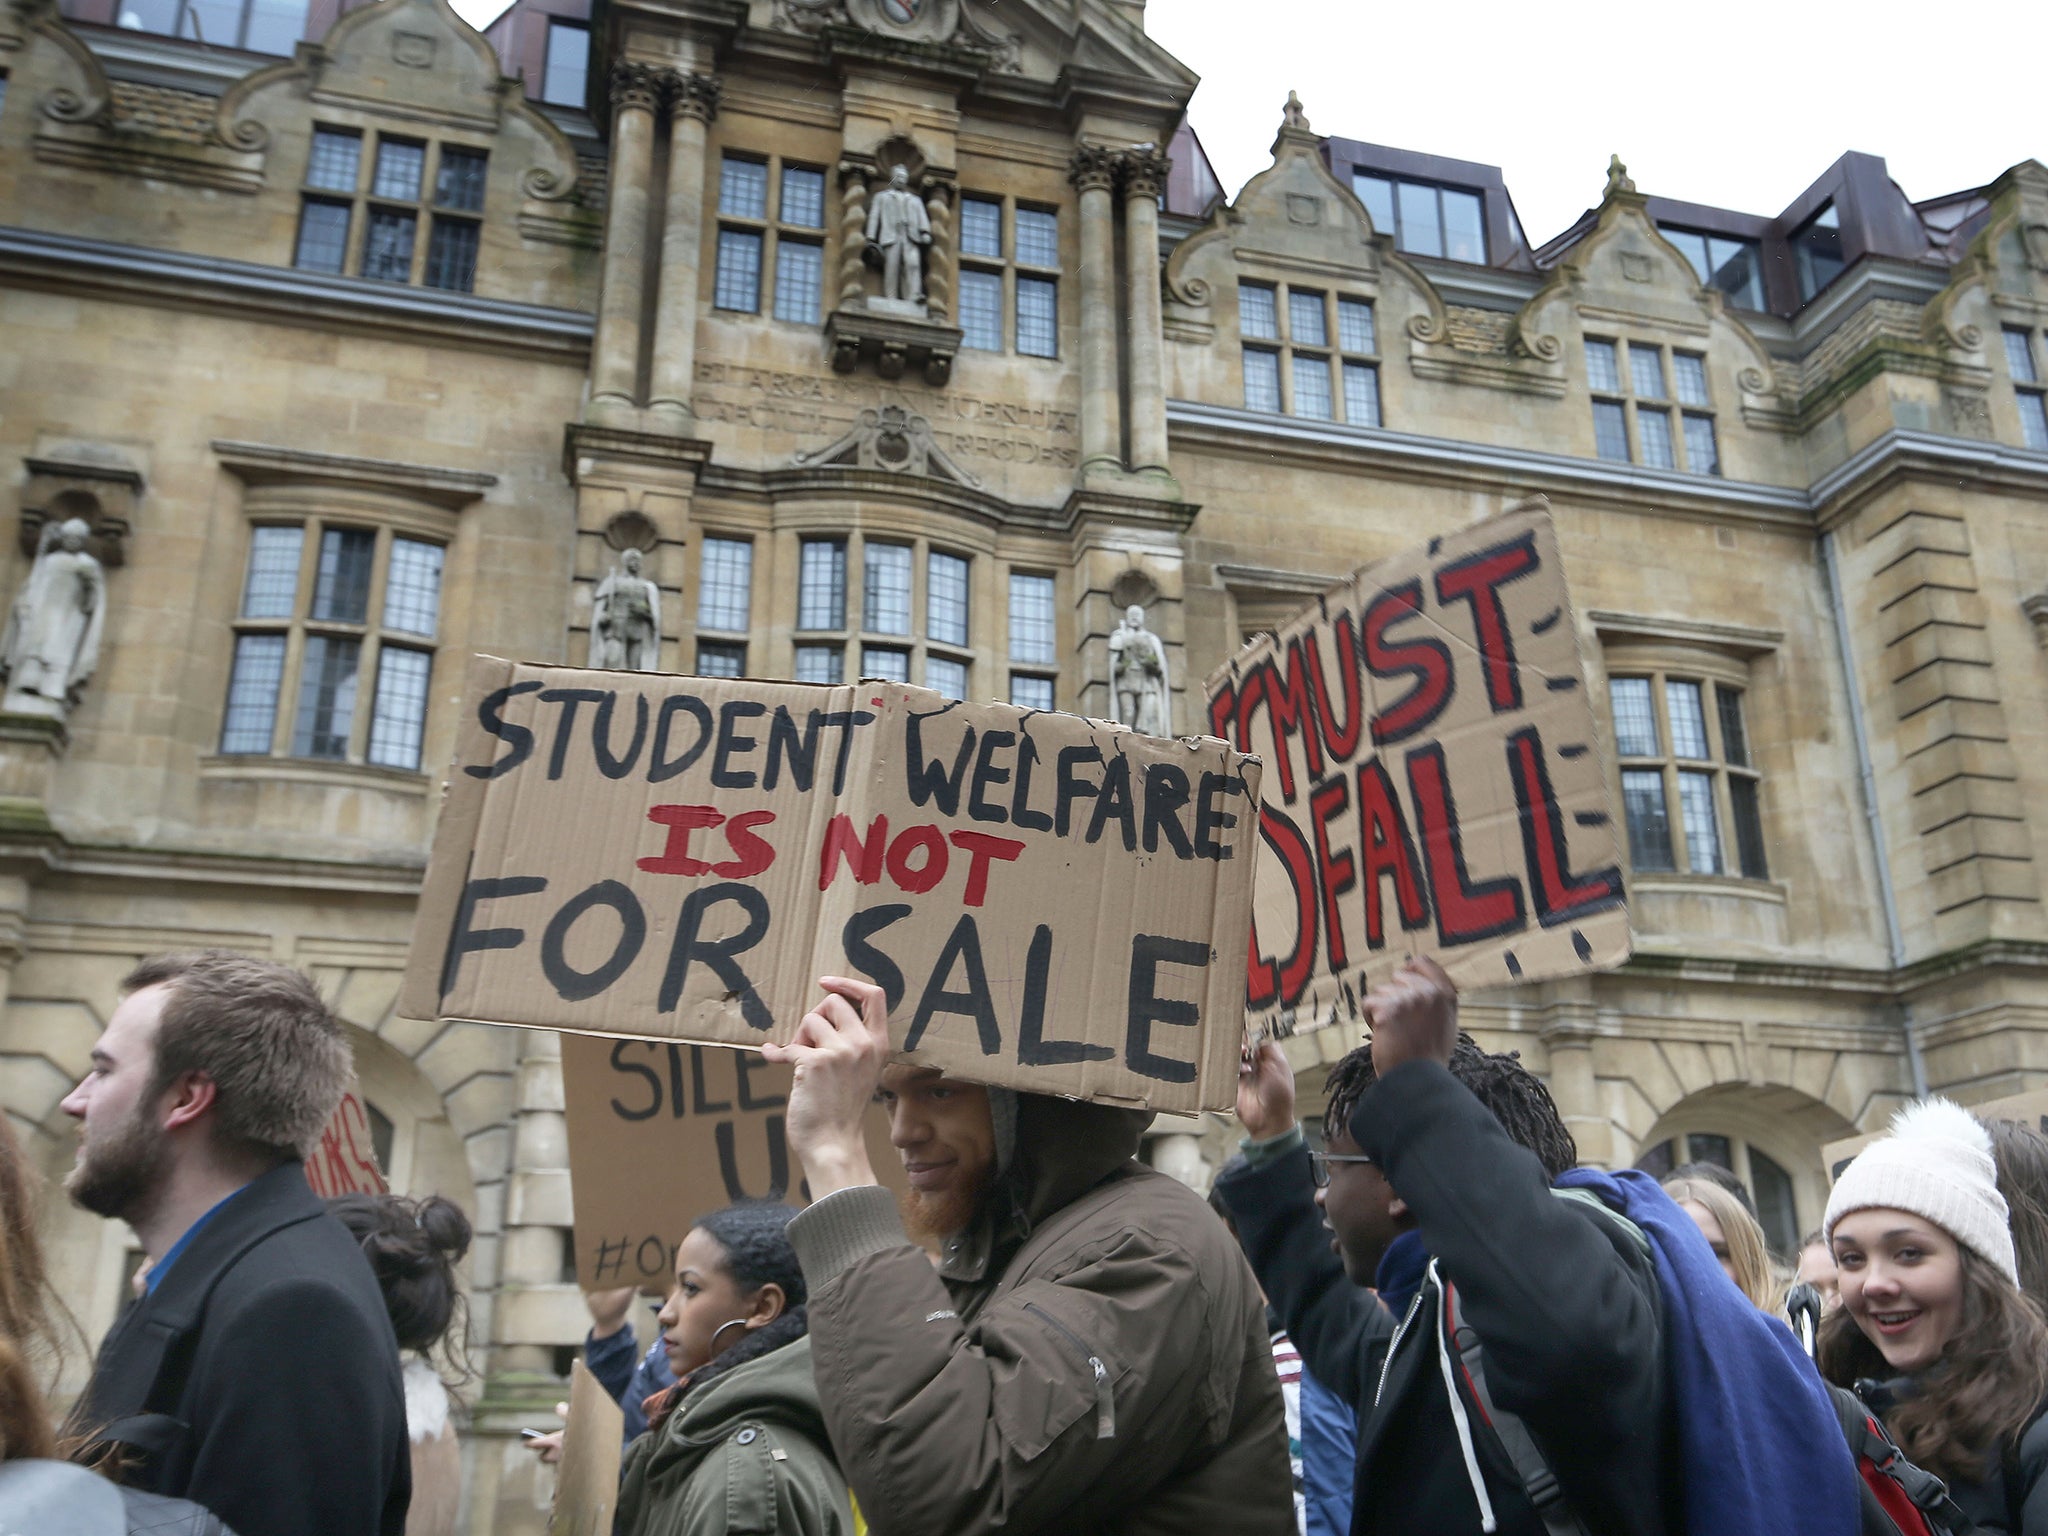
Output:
(778, 1386)
(1064, 1148)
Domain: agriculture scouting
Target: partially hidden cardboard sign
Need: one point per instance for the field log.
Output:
(345, 1161)
(1050, 903)
(662, 1133)
(2030, 1109)
(587, 1488)
(1433, 780)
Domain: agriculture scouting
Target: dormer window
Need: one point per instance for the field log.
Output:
(1817, 252)
(1425, 219)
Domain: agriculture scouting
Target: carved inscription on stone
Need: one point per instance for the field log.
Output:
(822, 407)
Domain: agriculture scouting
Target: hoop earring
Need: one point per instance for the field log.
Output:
(737, 1322)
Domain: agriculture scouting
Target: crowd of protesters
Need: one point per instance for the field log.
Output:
(1420, 1316)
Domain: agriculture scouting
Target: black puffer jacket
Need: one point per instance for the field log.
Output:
(2010, 1500)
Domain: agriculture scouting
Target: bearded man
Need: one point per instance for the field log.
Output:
(257, 1373)
(1090, 1354)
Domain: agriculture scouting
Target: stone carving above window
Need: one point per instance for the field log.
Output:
(889, 437)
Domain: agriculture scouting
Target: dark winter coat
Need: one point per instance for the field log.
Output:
(746, 1451)
(260, 1377)
(1090, 1357)
(1564, 1300)
(2013, 1498)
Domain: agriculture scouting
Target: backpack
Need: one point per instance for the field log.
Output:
(1896, 1498)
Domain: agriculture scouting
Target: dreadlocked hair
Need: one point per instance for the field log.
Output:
(1512, 1094)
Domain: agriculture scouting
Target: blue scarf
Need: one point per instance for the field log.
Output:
(1761, 1450)
(1400, 1273)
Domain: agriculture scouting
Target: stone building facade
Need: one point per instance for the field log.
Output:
(357, 356)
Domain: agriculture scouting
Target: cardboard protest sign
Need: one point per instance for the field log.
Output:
(2030, 1109)
(1049, 902)
(662, 1133)
(1433, 783)
(587, 1488)
(345, 1162)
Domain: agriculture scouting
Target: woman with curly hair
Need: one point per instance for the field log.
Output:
(1933, 1332)
(739, 1442)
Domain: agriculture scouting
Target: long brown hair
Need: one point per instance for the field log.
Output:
(1748, 1251)
(27, 1319)
(2021, 1157)
(1971, 1404)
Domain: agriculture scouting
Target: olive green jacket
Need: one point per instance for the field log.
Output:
(746, 1452)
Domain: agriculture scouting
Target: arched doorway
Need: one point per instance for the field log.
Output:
(1768, 1137)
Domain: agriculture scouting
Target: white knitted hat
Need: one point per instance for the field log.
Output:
(1936, 1164)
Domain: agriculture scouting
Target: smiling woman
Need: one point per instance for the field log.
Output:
(1932, 1328)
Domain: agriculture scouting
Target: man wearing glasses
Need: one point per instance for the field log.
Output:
(1508, 1375)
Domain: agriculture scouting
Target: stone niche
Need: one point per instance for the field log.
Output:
(95, 482)
(894, 334)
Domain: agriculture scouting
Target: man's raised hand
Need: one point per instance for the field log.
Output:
(1265, 1091)
(838, 1051)
(1414, 1016)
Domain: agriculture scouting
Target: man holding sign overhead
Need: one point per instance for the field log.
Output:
(1090, 1352)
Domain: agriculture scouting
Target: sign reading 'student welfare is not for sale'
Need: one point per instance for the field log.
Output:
(1049, 902)
(1433, 779)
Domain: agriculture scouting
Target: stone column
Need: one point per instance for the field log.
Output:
(692, 103)
(531, 1251)
(1144, 173)
(615, 356)
(1569, 1026)
(938, 256)
(1093, 173)
(853, 232)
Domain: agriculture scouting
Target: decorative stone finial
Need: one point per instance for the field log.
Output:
(1617, 177)
(1292, 116)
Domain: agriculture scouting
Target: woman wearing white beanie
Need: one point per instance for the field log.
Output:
(1933, 1332)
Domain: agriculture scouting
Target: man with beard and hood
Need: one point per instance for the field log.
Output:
(1090, 1354)
(257, 1373)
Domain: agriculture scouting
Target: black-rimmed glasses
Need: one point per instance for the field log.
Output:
(1319, 1165)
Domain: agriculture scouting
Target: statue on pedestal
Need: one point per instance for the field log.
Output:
(899, 230)
(1138, 693)
(53, 633)
(625, 619)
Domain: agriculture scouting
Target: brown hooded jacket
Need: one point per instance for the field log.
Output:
(1090, 1356)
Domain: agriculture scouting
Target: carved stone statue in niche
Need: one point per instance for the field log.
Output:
(53, 633)
(898, 232)
(1138, 695)
(625, 619)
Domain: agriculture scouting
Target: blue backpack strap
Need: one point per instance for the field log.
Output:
(1539, 1483)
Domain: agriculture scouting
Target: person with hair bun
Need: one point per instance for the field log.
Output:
(414, 1246)
(1933, 1332)
(739, 1442)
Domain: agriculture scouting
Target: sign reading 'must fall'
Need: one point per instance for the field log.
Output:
(1433, 781)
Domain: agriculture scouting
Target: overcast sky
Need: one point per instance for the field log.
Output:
(1728, 106)
(1735, 108)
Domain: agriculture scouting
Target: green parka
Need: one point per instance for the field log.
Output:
(745, 1452)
